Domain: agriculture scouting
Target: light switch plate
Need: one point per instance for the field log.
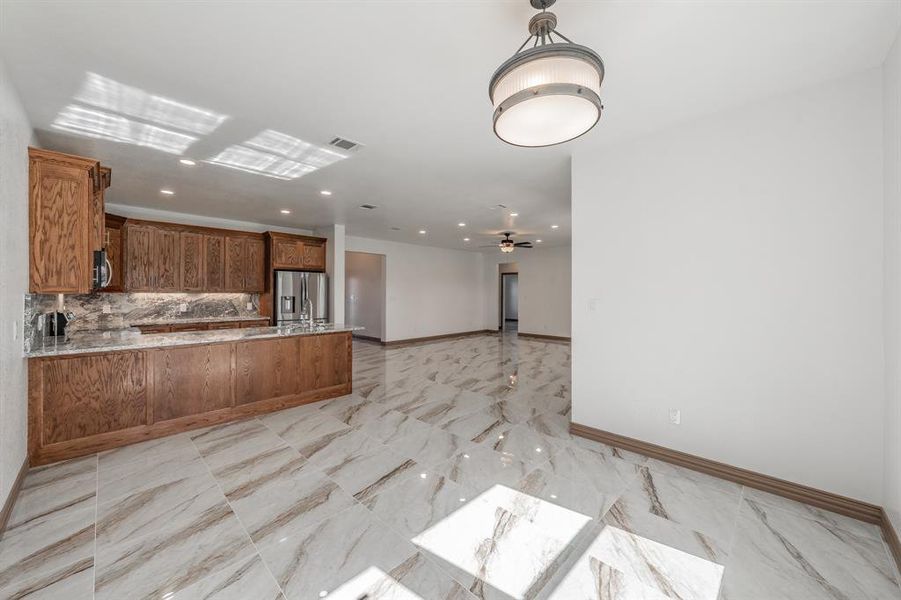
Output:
(106, 309)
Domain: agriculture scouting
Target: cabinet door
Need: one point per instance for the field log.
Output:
(234, 264)
(313, 256)
(192, 271)
(214, 262)
(84, 396)
(59, 222)
(191, 380)
(166, 253)
(140, 275)
(114, 255)
(267, 369)
(324, 360)
(254, 268)
(287, 253)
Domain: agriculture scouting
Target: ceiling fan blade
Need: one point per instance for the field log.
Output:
(490, 246)
(523, 244)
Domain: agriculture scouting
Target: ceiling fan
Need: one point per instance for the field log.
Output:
(507, 245)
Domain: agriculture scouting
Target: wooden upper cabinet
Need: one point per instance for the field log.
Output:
(192, 259)
(234, 264)
(168, 263)
(65, 221)
(168, 257)
(214, 262)
(140, 271)
(287, 253)
(296, 252)
(314, 256)
(254, 265)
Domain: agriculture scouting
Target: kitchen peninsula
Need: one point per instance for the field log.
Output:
(101, 393)
(157, 327)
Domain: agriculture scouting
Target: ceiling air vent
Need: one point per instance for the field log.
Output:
(368, 206)
(344, 144)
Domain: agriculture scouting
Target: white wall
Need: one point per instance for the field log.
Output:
(891, 104)
(334, 268)
(15, 137)
(734, 269)
(364, 292)
(429, 291)
(544, 290)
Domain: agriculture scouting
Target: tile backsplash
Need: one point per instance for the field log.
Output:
(124, 310)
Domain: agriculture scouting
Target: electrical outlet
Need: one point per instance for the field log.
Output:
(183, 307)
(106, 309)
(15, 331)
(250, 306)
(675, 416)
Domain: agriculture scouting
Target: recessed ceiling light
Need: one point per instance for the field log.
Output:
(537, 241)
(554, 226)
(167, 192)
(465, 239)
(461, 224)
(422, 232)
(514, 214)
(285, 211)
(187, 162)
(325, 192)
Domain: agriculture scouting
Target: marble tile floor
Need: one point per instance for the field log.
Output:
(449, 473)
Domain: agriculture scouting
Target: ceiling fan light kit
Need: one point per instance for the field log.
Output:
(550, 93)
(507, 245)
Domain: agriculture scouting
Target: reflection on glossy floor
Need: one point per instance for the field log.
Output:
(448, 474)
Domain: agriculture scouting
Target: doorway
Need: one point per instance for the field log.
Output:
(364, 294)
(509, 302)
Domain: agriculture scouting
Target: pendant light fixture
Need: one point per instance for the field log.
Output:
(550, 93)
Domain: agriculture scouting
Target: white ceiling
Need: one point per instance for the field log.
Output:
(409, 81)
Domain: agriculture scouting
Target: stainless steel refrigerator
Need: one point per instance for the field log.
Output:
(292, 288)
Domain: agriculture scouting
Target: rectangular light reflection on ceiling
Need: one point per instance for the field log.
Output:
(108, 94)
(261, 163)
(295, 148)
(277, 155)
(98, 124)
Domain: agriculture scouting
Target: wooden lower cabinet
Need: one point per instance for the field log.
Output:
(325, 361)
(85, 396)
(268, 369)
(191, 380)
(87, 403)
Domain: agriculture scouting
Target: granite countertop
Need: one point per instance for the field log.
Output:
(120, 340)
(186, 320)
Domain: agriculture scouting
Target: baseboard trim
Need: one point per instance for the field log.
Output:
(542, 336)
(842, 505)
(367, 338)
(13, 495)
(435, 338)
(891, 538)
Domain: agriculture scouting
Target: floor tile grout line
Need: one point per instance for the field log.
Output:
(96, 514)
(238, 519)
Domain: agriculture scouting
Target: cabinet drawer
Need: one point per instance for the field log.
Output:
(154, 328)
(226, 325)
(182, 327)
